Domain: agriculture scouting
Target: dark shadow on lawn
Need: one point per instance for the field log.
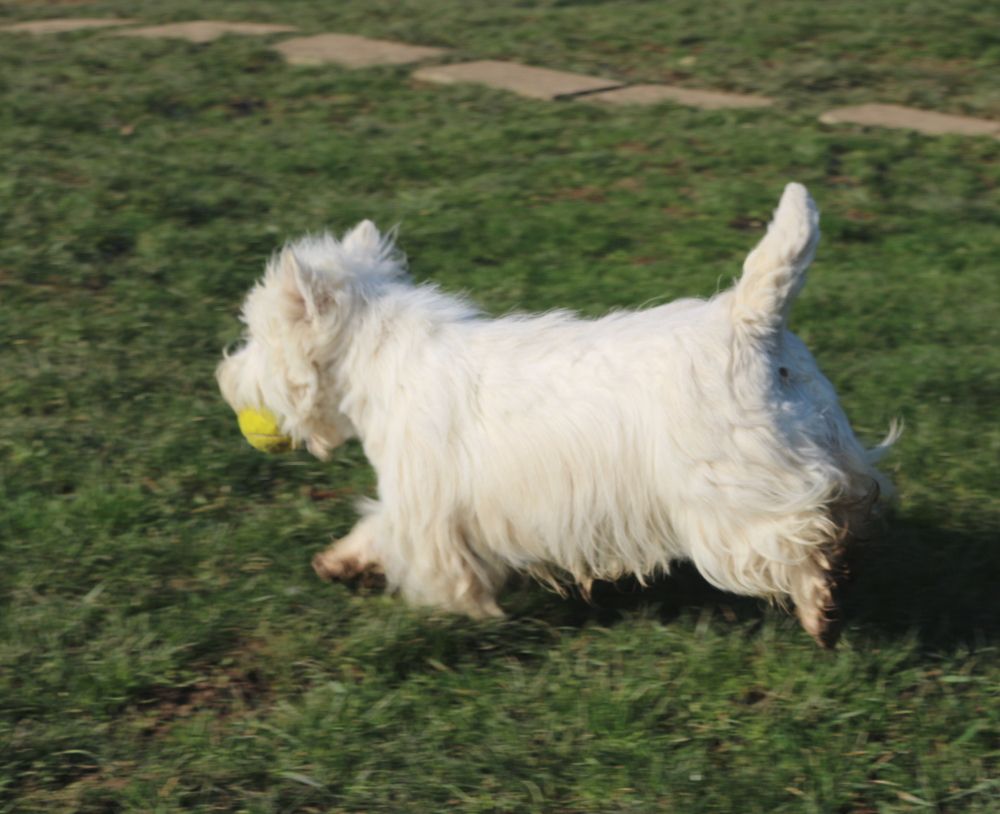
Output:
(913, 578)
(683, 591)
(919, 578)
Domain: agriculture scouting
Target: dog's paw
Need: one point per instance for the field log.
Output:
(334, 567)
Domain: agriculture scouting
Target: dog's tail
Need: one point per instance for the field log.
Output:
(775, 271)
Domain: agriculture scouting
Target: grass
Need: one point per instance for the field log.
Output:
(163, 643)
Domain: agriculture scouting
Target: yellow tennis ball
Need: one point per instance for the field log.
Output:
(260, 428)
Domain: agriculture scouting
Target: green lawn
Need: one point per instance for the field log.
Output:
(164, 645)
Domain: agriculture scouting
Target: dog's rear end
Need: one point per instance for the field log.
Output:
(823, 485)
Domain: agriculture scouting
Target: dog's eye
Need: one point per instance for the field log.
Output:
(783, 372)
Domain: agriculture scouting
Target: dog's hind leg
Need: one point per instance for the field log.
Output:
(815, 603)
(782, 558)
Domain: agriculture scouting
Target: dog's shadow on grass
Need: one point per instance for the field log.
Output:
(920, 579)
(681, 593)
(914, 582)
(914, 579)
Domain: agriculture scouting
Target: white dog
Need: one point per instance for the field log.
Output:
(566, 448)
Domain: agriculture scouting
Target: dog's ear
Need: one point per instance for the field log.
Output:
(306, 293)
(363, 240)
(369, 255)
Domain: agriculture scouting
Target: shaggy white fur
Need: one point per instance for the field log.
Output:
(566, 448)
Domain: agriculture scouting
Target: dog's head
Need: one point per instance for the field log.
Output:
(299, 320)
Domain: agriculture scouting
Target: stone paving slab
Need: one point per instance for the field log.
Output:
(910, 118)
(654, 94)
(204, 30)
(352, 51)
(61, 24)
(535, 83)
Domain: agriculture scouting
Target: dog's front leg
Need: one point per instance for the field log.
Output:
(437, 568)
(350, 556)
